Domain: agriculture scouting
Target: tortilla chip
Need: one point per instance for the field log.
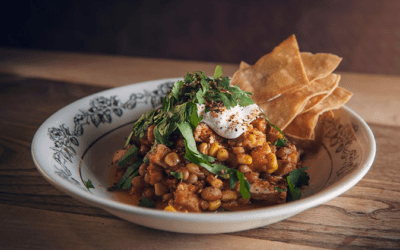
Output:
(314, 100)
(319, 65)
(275, 73)
(283, 109)
(244, 65)
(302, 127)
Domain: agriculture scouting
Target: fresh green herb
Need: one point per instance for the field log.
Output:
(280, 190)
(237, 176)
(128, 140)
(218, 72)
(89, 184)
(194, 118)
(280, 142)
(176, 90)
(143, 123)
(146, 202)
(177, 175)
(296, 179)
(129, 155)
(126, 181)
(181, 104)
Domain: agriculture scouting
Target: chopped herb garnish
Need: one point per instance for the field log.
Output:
(129, 155)
(126, 181)
(146, 202)
(181, 104)
(89, 184)
(296, 179)
(177, 175)
(280, 190)
(280, 142)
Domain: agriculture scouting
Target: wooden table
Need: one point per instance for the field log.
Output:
(35, 215)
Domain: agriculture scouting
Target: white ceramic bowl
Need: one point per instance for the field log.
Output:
(77, 143)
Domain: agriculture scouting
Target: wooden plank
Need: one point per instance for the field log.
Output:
(55, 230)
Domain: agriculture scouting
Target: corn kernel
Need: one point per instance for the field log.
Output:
(214, 182)
(267, 147)
(172, 159)
(252, 139)
(229, 195)
(193, 168)
(214, 149)
(244, 159)
(238, 150)
(203, 148)
(214, 205)
(222, 154)
(170, 208)
(272, 164)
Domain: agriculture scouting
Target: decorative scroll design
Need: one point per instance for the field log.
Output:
(341, 137)
(101, 110)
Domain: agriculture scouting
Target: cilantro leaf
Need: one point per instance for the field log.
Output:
(194, 118)
(242, 96)
(225, 83)
(190, 144)
(126, 181)
(176, 89)
(224, 98)
(177, 175)
(205, 85)
(143, 123)
(296, 179)
(89, 184)
(162, 131)
(244, 185)
(178, 113)
(280, 142)
(128, 140)
(218, 72)
(199, 96)
(128, 156)
(280, 190)
(146, 202)
(189, 77)
(237, 176)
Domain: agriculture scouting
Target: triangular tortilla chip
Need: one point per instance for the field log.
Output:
(302, 127)
(244, 65)
(314, 100)
(319, 65)
(273, 74)
(282, 110)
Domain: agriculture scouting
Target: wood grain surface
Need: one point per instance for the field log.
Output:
(35, 215)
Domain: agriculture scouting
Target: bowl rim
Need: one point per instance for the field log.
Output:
(288, 208)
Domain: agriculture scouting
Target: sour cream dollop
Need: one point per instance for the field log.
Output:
(230, 123)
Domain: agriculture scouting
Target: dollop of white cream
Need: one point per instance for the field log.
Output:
(230, 123)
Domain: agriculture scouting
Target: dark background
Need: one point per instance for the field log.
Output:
(366, 33)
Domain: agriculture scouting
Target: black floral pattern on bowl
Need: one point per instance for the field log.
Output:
(101, 110)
